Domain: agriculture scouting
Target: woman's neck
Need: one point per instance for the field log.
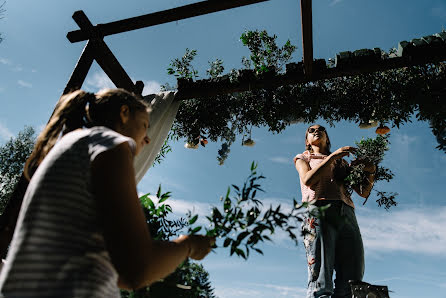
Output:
(318, 150)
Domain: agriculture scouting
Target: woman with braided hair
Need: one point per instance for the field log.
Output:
(81, 231)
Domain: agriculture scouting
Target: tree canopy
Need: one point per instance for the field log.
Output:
(13, 155)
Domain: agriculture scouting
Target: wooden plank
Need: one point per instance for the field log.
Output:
(111, 66)
(161, 17)
(307, 36)
(80, 72)
(104, 56)
(204, 89)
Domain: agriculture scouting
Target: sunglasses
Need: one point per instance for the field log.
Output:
(313, 129)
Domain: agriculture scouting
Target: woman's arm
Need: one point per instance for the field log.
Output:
(137, 258)
(310, 176)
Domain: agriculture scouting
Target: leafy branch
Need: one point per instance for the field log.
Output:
(243, 223)
(265, 55)
(371, 150)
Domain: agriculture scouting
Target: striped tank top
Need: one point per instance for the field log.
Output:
(58, 248)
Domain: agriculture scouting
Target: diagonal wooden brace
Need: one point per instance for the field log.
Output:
(105, 57)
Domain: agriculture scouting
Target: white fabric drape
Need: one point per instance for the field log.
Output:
(164, 110)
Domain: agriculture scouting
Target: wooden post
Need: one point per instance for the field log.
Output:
(307, 36)
(161, 17)
(81, 70)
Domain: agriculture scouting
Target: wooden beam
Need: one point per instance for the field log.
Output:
(161, 17)
(209, 88)
(105, 57)
(307, 36)
(111, 66)
(81, 70)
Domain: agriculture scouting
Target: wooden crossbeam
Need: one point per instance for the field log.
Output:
(296, 75)
(307, 36)
(103, 56)
(161, 17)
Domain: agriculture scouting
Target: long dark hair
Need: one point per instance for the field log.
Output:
(308, 146)
(81, 109)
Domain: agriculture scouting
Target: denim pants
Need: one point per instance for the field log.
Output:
(333, 243)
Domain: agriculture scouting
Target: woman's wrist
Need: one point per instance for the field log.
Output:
(185, 241)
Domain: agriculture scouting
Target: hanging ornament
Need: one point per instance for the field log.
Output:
(248, 142)
(369, 124)
(382, 130)
(203, 142)
(191, 146)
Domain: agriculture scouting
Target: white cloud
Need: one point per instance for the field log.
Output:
(5, 61)
(99, 81)
(259, 290)
(282, 160)
(419, 231)
(151, 87)
(24, 84)
(181, 207)
(439, 11)
(5, 133)
(17, 68)
(404, 140)
(334, 2)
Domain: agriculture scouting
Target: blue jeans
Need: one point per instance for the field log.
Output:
(333, 243)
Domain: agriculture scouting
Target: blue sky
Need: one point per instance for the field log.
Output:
(405, 248)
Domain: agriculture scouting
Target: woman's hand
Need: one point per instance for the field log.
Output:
(199, 245)
(341, 152)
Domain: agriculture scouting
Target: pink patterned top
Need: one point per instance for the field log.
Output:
(326, 188)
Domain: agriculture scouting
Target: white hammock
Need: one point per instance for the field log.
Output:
(164, 110)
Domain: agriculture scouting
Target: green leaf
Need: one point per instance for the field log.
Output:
(242, 236)
(164, 197)
(193, 219)
(195, 230)
(158, 193)
(227, 242)
(150, 203)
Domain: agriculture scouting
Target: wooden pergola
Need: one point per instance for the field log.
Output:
(428, 49)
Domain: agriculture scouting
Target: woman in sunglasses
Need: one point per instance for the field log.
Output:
(332, 240)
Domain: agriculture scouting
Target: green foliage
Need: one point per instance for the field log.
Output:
(393, 96)
(371, 150)
(243, 223)
(265, 54)
(13, 155)
(2, 11)
(166, 148)
(216, 68)
(161, 228)
(189, 279)
(182, 68)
